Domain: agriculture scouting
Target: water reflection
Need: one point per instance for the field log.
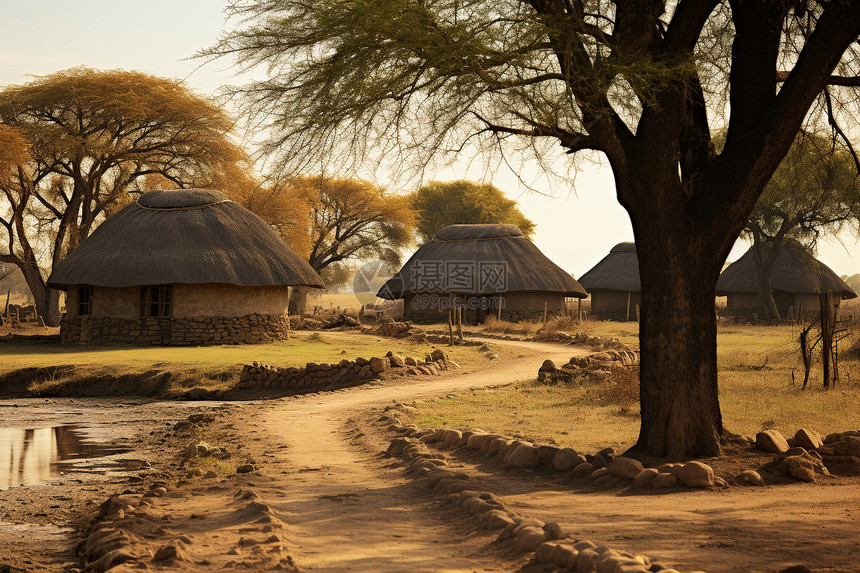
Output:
(31, 456)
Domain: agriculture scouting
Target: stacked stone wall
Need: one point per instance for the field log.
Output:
(250, 329)
(345, 372)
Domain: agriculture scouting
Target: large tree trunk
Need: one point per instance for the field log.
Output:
(47, 299)
(678, 330)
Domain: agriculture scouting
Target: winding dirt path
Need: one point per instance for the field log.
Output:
(327, 500)
(350, 514)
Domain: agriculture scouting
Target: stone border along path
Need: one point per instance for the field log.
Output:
(346, 371)
(549, 543)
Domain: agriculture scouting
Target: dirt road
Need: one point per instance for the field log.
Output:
(325, 498)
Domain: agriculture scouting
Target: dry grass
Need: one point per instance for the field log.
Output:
(756, 392)
(627, 332)
(211, 367)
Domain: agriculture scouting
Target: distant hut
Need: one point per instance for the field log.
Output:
(796, 280)
(180, 267)
(613, 284)
(482, 269)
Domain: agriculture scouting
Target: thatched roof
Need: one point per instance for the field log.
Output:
(795, 271)
(463, 259)
(618, 271)
(187, 236)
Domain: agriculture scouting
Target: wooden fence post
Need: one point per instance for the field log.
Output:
(460, 323)
(627, 316)
(825, 300)
(450, 328)
(579, 310)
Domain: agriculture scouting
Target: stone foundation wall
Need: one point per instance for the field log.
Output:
(250, 329)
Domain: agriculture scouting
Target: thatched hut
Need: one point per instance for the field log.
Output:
(613, 284)
(483, 269)
(796, 280)
(180, 267)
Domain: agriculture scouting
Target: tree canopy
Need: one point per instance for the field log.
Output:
(814, 191)
(336, 221)
(439, 204)
(643, 82)
(83, 142)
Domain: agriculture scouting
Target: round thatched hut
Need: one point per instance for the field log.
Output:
(613, 284)
(181, 267)
(796, 280)
(483, 269)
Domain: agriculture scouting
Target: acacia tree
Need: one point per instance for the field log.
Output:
(814, 190)
(439, 204)
(334, 222)
(91, 139)
(642, 81)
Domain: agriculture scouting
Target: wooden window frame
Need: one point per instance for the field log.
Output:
(156, 301)
(85, 300)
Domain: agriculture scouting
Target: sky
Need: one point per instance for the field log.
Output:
(577, 223)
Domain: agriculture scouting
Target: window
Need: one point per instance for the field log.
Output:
(85, 299)
(155, 300)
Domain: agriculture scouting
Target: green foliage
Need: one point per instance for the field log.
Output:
(75, 146)
(642, 82)
(336, 221)
(815, 190)
(440, 204)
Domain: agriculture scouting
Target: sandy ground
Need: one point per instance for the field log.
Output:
(325, 497)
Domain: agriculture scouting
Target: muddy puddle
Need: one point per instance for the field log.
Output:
(31, 456)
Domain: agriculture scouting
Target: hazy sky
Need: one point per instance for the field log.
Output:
(574, 228)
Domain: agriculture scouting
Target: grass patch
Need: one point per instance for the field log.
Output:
(210, 367)
(756, 392)
(626, 332)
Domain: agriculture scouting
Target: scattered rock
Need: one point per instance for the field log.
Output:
(808, 439)
(439, 354)
(548, 366)
(496, 519)
(553, 530)
(599, 473)
(200, 449)
(749, 477)
(566, 459)
(582, 470)
(800, 468)
(771, 441)
(379, 365)
(696, 474)
(395, 360)
(167, 552)
(529, 538)
(664, 480)
(627, 468)
(645, 478)
(524, 456)
(451, 437)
